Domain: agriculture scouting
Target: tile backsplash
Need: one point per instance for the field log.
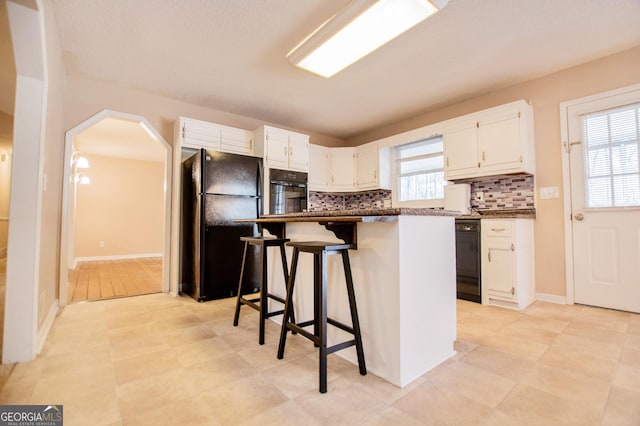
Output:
(319, 201)
(504, 192)
(499, 193)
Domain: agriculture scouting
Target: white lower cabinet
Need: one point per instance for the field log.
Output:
(508, 278)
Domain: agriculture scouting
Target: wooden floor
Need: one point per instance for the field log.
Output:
(115, 278)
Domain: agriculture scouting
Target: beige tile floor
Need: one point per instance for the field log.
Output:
(161, 360)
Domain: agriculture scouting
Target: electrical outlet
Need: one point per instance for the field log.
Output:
(479, 196)
(101, 244)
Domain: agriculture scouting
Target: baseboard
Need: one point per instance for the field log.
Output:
(3, 252)
(551, 298)
(116, 257)
(46, 326)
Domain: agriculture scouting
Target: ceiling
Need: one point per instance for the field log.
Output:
(114, 137)
(230, 54)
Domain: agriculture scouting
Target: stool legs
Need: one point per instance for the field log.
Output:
(320, 318)
(236, 317)
(262, 305)
(288, 305)
(354, 312)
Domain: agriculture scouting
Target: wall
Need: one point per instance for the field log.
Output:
(6, 138)
(85, 98)
(52, 170)
(123, 207)
(545, 95)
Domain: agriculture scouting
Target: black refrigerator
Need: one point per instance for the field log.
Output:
(217, 188)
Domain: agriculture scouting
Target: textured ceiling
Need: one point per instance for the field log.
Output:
(230, 54)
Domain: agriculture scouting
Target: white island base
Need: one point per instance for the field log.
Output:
(405, 282)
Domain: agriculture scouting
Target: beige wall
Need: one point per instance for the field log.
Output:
(52, 162)
(6, 138)
(545, 94)
(123, 206)
(85, 98)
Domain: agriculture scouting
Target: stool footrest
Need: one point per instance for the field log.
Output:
(296, 328)
(340, 346)
(274, 313)
(340, 325)
(276, 298)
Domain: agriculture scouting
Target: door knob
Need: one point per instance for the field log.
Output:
(579, 216)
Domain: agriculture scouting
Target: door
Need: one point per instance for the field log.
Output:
(277, 149)
(500, 268)
(342, 169)
(605, 203)
(367, 167)
(298, 152)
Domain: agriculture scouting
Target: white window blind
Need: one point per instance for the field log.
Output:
(420, 168)
(611, 158)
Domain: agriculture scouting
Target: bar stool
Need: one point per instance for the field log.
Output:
(263, 243)
(320, 251)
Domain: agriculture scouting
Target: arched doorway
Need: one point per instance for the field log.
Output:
(120, 124)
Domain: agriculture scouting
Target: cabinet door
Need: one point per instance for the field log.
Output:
(461, 150)
(367, 167)
(500, 268)
(343, 169)
(236, 140)
(298, 152)
(277, 149)
(200, 134)
(319, 168)
(500, 143)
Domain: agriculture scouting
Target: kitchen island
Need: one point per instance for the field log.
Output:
(405, 282)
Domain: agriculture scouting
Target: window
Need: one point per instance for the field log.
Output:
(420, 169)
(611, 158)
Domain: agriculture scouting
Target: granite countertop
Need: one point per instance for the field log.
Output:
(391, 211)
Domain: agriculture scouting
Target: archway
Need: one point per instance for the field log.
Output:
(71, 179)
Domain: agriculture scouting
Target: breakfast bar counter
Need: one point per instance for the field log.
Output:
(405, 283)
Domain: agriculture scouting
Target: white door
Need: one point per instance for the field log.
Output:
(605, 203)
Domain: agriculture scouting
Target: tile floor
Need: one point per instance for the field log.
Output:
(161, 360)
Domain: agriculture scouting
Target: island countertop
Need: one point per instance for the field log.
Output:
(390, 211)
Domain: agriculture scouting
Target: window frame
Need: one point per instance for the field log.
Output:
(438, 138)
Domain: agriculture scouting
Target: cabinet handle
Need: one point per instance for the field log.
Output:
(447, 161)
(250, 144)
(513, 248)
(285, 151)
(497, 229)
(513, 291)
(291, 151)
(483, 156)
(333, 179)
(489, 255)
(375, 174)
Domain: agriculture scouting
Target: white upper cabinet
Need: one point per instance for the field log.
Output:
(491, 142)
(282, 149)
(202, 134)
(319, 168)
(199, 134)
(343, 166)
(373, 169)
(236, 140)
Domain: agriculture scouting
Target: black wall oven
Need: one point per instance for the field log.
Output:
(287, 191)
(468, 259)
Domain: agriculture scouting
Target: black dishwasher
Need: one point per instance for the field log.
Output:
(468, 259)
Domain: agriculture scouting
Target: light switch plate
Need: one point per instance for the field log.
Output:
(547, 192)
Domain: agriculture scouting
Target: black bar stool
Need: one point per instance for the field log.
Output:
(262, 307)
(320, 250)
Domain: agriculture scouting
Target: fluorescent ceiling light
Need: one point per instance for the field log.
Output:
(357, 30)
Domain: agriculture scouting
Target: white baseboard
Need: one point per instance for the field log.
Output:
(3, 252)
(551, 298)
(46, 326)
(115, 257)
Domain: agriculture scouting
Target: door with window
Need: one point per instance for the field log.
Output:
(604, 157)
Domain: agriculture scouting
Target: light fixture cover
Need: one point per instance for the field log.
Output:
(357, 30)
